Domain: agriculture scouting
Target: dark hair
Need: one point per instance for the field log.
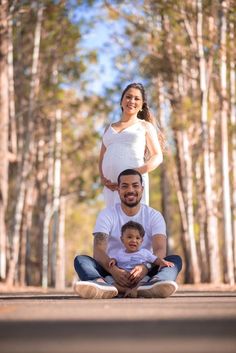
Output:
(129, 172)
(145, 113)
(133, 225)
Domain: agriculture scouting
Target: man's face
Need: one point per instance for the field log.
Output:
(130, 190)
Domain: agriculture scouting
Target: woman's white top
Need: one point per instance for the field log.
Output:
(124, 150)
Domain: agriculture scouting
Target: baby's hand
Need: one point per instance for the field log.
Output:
(112, 262)
(164, 263)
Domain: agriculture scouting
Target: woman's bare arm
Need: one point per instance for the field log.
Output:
(155, 157)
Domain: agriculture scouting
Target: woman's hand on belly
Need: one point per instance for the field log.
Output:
(109, 184)
(112, 186)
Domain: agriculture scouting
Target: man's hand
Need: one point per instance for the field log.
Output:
(112, 262)
(137, 274)
(120, 276)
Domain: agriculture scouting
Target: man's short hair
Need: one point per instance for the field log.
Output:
(130, 172)
(133, 225)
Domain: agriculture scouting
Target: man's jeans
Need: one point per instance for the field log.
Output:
(89, 269)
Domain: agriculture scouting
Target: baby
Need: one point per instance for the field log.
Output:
(132, 234)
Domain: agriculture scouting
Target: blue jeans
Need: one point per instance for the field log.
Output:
(89, 269)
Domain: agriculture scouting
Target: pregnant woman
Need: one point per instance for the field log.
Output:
(132, 142)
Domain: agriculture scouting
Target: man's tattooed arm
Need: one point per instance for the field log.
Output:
(100, 239)
(100, 249)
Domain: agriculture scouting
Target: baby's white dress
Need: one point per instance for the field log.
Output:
(124, 150)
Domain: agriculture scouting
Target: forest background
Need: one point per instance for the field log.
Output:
(63, 66)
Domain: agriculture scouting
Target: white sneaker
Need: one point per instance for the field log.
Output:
(94, 290)
(160, 289)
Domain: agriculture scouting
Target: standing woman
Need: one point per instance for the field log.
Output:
(130, 143)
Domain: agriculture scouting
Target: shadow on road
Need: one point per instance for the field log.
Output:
(173, 336)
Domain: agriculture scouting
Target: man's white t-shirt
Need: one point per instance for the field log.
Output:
(110, 220)
(128, 260)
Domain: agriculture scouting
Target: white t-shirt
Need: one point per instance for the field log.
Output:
(111, 219)
(128, 260)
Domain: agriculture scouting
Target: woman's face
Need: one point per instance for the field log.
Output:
(132, 101)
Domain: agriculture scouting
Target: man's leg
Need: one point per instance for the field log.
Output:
(167, 273)
(88, 268)
(162, 283)
(92, 284)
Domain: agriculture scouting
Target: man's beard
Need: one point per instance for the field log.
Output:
(133, 204)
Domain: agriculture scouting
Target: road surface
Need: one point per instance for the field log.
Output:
(188, 322)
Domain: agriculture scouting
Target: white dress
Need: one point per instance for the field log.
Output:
(124, 150)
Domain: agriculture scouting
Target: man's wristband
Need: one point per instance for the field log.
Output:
(148, 265)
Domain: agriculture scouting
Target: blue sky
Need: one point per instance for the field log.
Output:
(100, 37)
(97, 37)
(107, 38)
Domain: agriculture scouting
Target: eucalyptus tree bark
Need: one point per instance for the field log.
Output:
(184, 233)
(28, 147)
(12, 110)
(26, 228)
(48, 210)
(185, 170)
(60, 274)
(56, 195)
(201, 221)
(188, 182)
(165, 182)
(233, 128)
(211, 219)
(228, 234)
(4, 121)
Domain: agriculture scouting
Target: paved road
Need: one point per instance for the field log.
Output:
(188, 322)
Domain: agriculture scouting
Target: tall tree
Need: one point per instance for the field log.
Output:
(56, 196)
(28, 148)
(228, 235)
(4, 121)
(212, 230)
(233, 124)
(12, 109)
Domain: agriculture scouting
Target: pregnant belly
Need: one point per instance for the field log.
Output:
(114, 162)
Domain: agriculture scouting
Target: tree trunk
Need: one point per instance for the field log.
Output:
(28, 147)
(228, 236)
(60, 274)
(56, 194)
(201, 220)
(212, 228)
(233, 128)
(4, 121)
(13, 133)
(189, 208)
(165, 182)
(185, 172)
(184, 222)
(48, 210)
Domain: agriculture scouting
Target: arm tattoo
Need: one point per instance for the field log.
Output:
(100, 238)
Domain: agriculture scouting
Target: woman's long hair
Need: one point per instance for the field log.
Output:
(145, 113)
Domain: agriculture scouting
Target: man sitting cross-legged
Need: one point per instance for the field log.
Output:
(97, 277)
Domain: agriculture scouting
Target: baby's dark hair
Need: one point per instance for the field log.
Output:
(133, 225)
